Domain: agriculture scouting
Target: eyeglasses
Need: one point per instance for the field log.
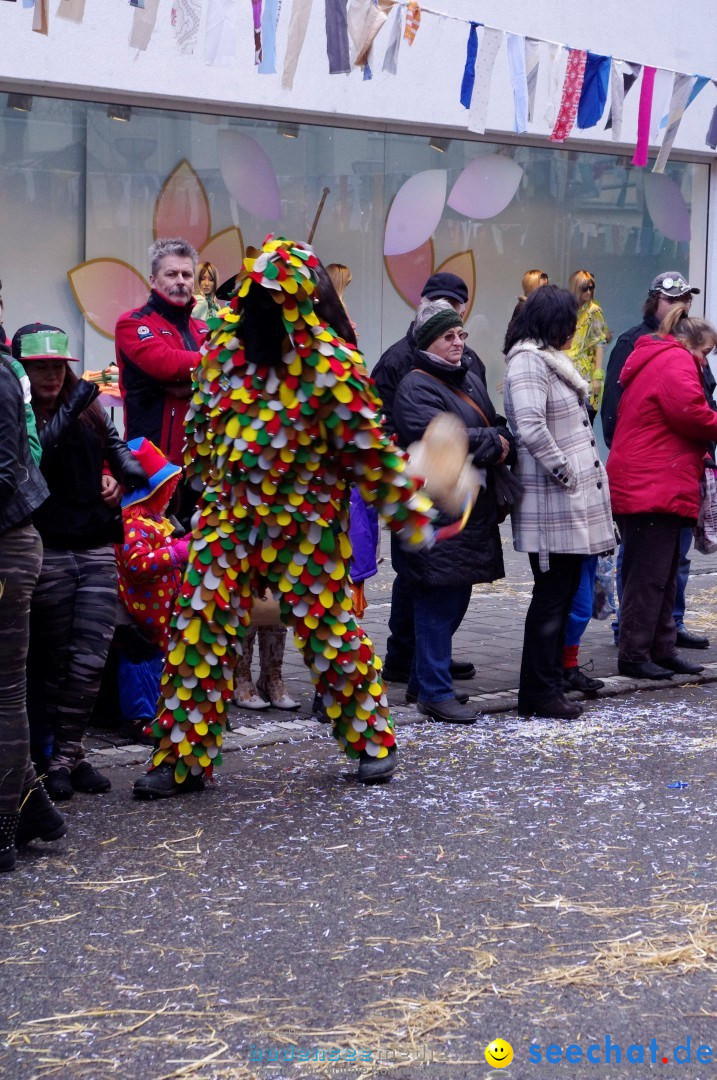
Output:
(455, 335)
(588, 288)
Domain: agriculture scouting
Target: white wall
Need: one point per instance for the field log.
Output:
(95, 57)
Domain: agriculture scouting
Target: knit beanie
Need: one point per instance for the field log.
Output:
(435, 326)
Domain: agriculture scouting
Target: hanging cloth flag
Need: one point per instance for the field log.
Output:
(557, 60)
(711, 137)
(337, 37)
(269, 22)
(682, 86)
(469, 72)
(661, 99)
(256, 19)
(700, 83)
(644, 113)
(298, 24)
(532, 63)
(594, 92)
(413, 21)
(574, 75)
(390, 60)
(137, 4)
(186, 15)
(624, 77)
(519, 80)
(41, 17)
(143, 22)
(376, 18)
(490, 42)
(72, 10)
(220, 33)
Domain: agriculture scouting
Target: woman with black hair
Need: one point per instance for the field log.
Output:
(564, 512)
(74, 604)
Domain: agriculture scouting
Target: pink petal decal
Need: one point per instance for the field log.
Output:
(667, 207)
(464, 265)
(104, 289)
(226, 250)
(409, 273)
(182, 208)
(249, 175)
(486, 186)
(415, 212)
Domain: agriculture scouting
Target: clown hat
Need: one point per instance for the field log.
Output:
(155, 464)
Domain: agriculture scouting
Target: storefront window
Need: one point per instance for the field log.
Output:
(80, 189)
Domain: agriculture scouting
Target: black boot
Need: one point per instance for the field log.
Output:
(374, 770)
(8, 851)
(85, 777)
(58, 784)
(159, 783)
(39, 820)
(555, 708)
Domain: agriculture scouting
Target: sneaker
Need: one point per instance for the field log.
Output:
(576, 679)
(688, 639)
(85, 778)
(159, 783)
(58, 784)
(39, 820)
(449, 712)
(375, 770)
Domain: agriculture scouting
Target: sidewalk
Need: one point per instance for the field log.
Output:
(491, 637)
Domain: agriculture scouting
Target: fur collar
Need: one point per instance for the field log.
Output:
(558, 362)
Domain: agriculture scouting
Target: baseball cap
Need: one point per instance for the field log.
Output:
(671, 283)
(38, 341)
(446, 285)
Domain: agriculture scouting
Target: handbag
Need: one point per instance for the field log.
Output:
(508, 489)
(265, 611)
(706, 527)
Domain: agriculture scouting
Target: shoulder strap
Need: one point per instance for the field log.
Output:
(458, 393)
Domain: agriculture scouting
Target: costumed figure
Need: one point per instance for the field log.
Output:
(282, 421)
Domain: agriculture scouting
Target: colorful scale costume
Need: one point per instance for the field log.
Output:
(277, 450)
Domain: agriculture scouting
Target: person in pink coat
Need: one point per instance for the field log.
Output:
(664, 425)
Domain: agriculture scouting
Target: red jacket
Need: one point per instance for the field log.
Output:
(157, 349)
(663, 427)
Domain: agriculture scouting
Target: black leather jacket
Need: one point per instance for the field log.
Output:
(75, 517)
(22, 487)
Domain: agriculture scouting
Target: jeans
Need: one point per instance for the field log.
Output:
(20, 562)
(541, 668)
(651, 552)
(582, 610)
(683, 574)
(402, 631)
(438, 613)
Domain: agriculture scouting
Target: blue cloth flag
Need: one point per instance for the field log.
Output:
(594, 92)
(469, 73)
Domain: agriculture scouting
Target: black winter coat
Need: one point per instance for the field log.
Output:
(22, 488)
(397, 361)
(475, 554)
(75, 517)
(612, 390)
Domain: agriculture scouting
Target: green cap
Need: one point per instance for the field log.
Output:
(38, 341)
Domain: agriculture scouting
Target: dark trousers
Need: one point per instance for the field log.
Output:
(20, 562)
(438, 613)
(650, 557)
(74, 611)
(401, 625)
(541, 669)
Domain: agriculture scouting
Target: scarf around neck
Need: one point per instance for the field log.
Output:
(557, 361)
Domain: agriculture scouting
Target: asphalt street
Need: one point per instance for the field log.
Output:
(548, 884)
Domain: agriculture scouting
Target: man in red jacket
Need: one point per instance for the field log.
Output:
(157, 349)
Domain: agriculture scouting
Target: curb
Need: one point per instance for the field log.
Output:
(281, 731)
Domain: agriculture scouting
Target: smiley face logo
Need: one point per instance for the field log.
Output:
(499, 1053)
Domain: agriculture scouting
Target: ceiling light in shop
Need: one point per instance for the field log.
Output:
(119, 112)
(21, 102)
(439, 144)
(288, 130)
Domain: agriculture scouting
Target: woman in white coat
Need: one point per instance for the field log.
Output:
(564, 512)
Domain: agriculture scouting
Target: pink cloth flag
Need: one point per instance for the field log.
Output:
(643, 117)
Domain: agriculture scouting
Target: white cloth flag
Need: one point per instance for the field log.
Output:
(661, 99)
(519, 80)
(619, 69)
(186, 16)
(681, 90)
(557, 61)
(390, 60)
(220, 34)
(143, 21)
(490, 42)
(532, 63)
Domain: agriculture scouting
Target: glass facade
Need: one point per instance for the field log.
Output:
(82, 194)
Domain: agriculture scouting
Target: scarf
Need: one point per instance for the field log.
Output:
(558, 362)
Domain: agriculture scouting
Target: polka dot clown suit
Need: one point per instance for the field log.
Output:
(276, 446)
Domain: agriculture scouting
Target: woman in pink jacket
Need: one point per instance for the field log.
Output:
(664, 425)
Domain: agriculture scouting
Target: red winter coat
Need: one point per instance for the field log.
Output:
(157, 349)
(663, 427)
